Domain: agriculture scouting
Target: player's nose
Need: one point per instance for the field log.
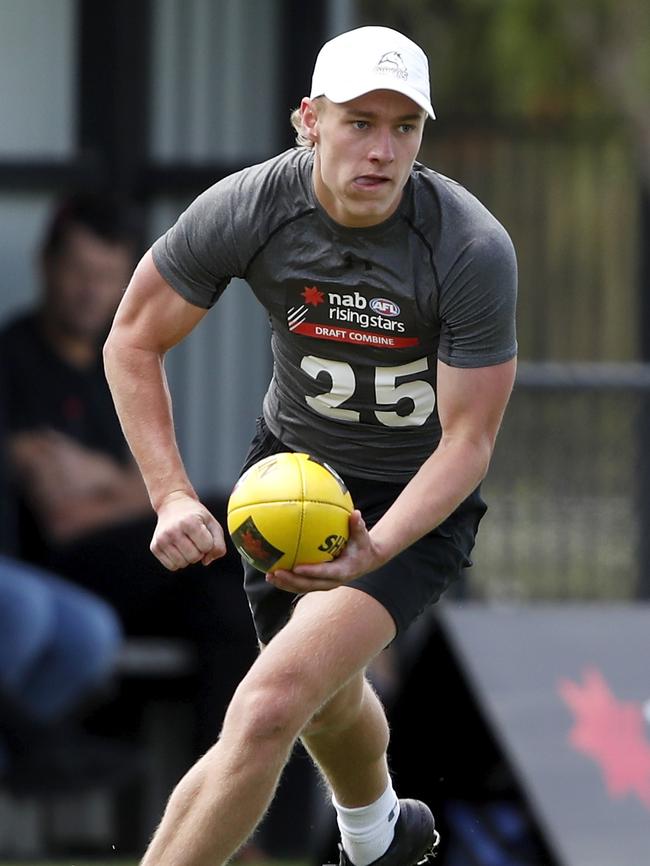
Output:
(382, 148)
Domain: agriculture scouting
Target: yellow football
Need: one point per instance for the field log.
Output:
(289, 509)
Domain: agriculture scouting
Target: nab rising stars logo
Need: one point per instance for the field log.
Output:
(328, 316)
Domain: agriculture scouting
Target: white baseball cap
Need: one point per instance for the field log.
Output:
(371, 58)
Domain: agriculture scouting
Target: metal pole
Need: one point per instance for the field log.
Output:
(643, 455)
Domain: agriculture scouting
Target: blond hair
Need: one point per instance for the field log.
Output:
(296, 122)
(302, 140)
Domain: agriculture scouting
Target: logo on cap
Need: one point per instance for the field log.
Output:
(392, 63)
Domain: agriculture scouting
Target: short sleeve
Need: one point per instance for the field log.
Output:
(202, 251)
(477, 303)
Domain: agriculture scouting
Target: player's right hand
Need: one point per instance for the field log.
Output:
(359, 556)
(186, 533)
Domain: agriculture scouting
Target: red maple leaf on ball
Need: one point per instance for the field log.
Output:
(612, 733)
(254, 545)
(313, 296)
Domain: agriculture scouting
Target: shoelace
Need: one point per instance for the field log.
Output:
(432, 852)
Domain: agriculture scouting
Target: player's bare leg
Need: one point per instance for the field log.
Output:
(220, 801)
(348, 739)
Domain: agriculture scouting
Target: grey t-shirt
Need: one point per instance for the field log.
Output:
(359, 316)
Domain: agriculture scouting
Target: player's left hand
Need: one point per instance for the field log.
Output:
(359, 556)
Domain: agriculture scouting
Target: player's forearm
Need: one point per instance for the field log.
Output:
(139, 387)
(452, 472)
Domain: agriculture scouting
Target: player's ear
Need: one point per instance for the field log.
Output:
(309, 118)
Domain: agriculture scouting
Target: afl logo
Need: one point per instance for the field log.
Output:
(384, 307)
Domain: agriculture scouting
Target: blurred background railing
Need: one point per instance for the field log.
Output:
(568, 490)
(568, 192)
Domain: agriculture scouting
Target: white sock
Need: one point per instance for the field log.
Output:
(367, 831)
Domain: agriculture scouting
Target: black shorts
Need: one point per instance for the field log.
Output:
(405, 586)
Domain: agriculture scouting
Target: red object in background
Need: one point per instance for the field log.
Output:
(611, 732)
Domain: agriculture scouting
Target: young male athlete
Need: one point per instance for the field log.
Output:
(391, 295)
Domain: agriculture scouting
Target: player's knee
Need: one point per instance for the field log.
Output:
(266, 712)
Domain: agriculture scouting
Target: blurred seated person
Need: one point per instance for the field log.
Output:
(58, 648)
(67, 448)
(83, 511)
